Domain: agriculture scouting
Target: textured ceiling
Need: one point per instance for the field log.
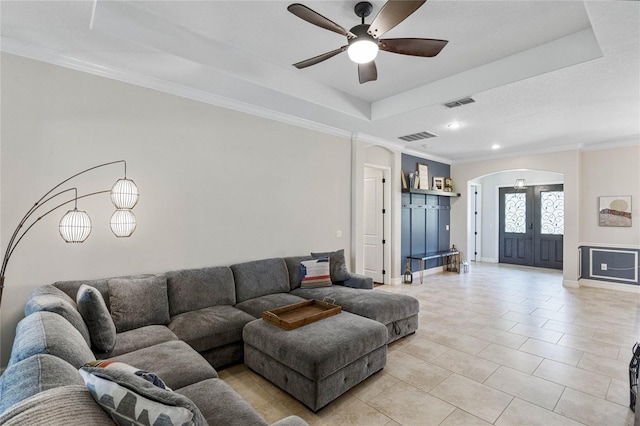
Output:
(546, 75)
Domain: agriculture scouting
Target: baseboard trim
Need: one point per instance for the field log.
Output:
(570, 284)
(584, 282)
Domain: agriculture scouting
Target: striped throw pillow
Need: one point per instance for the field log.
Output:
(315, 273)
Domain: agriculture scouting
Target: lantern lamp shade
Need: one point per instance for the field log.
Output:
(520, 184)
(124, 194)
(75, 226)
(123, 223)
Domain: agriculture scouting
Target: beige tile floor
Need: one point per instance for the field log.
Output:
(501, 345)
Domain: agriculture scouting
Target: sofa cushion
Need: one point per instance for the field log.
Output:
(378, 305)
(210, 327)
(51, 299)
(255, 307)
(293, 267)
(139, 338)
(260, 277)
(94, 311)
(67, 405)
(71, 287)
(193, 289)
(49, 333)
(35, 374)
(130, 399)
(221, 405)
(163, 359)
(315, 273)
(136, 302)
(339, 271)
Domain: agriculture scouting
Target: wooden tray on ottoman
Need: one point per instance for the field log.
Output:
(295, 316)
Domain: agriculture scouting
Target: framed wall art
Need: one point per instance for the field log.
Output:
(448, 184)
(438, 183)
(423, 172)
(614, 211)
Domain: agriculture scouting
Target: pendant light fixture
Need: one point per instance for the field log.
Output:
(520, 184)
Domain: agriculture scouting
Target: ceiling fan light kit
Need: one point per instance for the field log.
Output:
(364, 48)
(364, 40)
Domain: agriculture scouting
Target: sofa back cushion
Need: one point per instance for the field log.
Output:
(138, 302)
(48, 333)
(35, 374)
(71, 287)
(259, 278)
(51, 299)
(193, 289)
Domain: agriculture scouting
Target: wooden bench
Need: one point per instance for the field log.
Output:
(450, 262)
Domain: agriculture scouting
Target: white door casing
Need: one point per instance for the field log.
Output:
(373, 228)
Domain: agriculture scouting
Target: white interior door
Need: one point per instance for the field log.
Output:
(373, 234)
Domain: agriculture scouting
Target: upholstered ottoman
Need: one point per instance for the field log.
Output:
(320, 361)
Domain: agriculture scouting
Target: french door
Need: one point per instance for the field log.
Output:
(532, 226)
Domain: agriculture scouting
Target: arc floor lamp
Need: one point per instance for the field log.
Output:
(75, 225)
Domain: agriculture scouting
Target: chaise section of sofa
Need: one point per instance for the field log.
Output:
(398, 312)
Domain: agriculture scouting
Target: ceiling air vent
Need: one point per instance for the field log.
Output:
(459, 102)
(417, 136)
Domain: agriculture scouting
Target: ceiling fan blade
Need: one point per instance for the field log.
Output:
(425, 47)
(313, 17)
(391, 14)
(367, 72)
(319, 58)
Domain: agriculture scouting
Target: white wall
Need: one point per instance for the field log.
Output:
(610, 172)
(217, 186)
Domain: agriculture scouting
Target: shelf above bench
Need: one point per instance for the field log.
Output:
(430, 192)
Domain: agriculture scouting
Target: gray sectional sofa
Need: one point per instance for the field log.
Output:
(180, 325)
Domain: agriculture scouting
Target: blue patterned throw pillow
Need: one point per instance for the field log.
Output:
(134, 397)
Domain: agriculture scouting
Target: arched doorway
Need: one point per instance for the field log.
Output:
(529, 241)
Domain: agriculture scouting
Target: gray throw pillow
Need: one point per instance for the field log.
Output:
(138, 302)
(337, 264)
(94, 311)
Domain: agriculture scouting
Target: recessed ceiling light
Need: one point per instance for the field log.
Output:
(495, 146)
(454, 125)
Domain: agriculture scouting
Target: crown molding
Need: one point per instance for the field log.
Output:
(30, 51)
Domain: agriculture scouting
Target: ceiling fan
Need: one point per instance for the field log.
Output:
(364, 39)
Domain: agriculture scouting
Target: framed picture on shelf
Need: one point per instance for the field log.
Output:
(438, 183)
(423, 172)
(404, 180)
(448, 184)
